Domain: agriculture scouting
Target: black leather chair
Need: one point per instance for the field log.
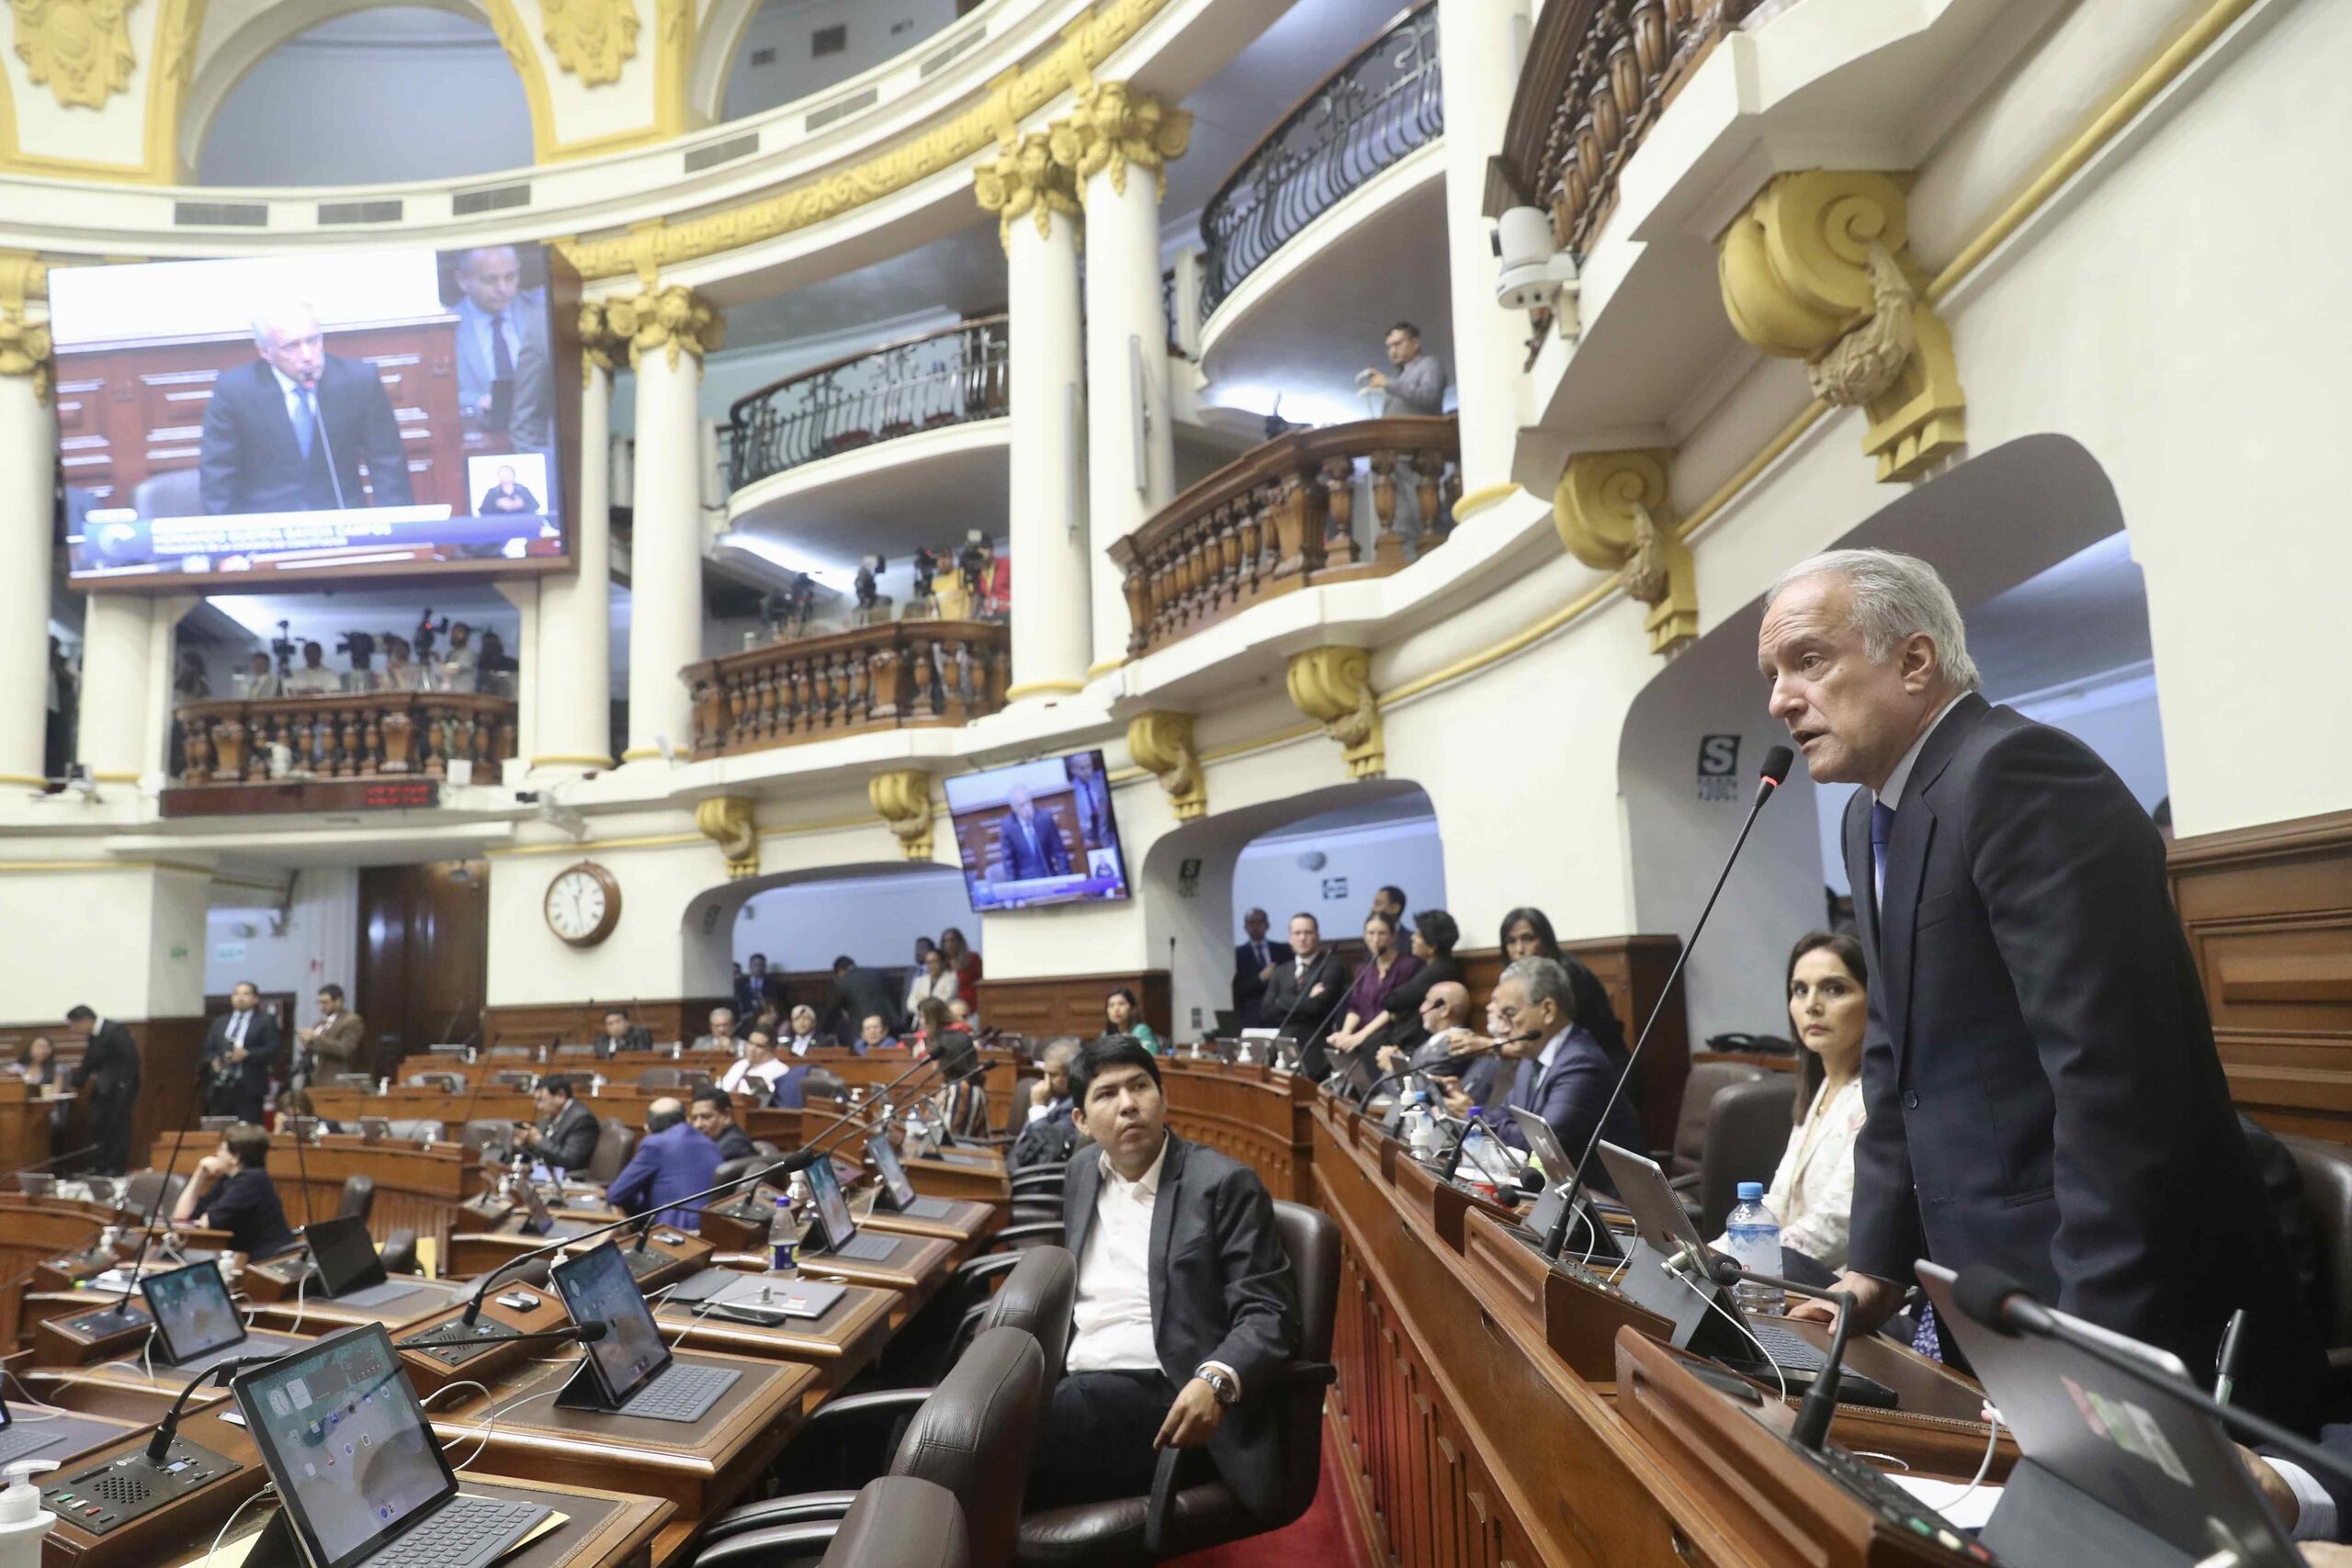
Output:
(614, 1140)
(1177, 1519)
(140, 1193)
(399, 1251)
(899, 1522)
(1707, 1079)
(823, 1083)
(358, 1198)
(1747, 1131)
(2326, 1172)
(974, 1435)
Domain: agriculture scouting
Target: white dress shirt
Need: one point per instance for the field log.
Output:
(238, 1024)
(741, 1069)
(1812, 1194)
(1111, 1318)
(801, 1045)
(2315, 1515)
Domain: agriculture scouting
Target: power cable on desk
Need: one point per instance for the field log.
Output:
(213, 1550)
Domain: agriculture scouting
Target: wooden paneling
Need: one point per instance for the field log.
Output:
(424, 957)
(2268, 913)
(1633, 970)
(668, 1018)
(1072, 1004)
(1253, 1114)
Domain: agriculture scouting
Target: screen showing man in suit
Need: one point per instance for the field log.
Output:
(349, 412)
(1039, 833)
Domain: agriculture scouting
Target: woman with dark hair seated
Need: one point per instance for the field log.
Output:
(1527, 933)
(1812, 1194)
(232, 1191)
(957, 1098)
(1122, 1014)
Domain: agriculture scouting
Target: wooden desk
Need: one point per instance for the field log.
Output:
(313, 1314)
(969, 1176)
(1253, 1113)
(418, 1186)
(965, 1223)
(23, 1122)
(838, 1343)
(916, 1268)
(477, 1253)
(401, 1103)
(601, 1529)
(163, 1534)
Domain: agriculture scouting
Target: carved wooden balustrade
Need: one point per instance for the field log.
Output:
(349, 736)
(1283, 516)
(899, 675)
(1596, 75)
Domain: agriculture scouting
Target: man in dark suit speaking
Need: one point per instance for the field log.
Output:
(1033, 841)
(240, 1049)
(291, 430)
(1186, 1310)
(2042, 1090)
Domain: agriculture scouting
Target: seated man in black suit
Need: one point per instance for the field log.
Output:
(1031, 839)
(1185, 1308)
(291, 430)
(232, 1191)
(565, 1136)
(713, 1116)
(506, 495)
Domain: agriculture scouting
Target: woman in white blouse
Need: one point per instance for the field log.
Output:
(933, 981)
(1812, 1194)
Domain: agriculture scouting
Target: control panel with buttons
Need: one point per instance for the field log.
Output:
(103, 1497)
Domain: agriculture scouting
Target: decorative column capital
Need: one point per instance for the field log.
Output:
(1818, 268)
(1334, 685)
(1023, 180)
(671, 319)
(1610, 509)
(592, 38)
(24, 326)
(726, 821)
(1113, 125)
(80, 48)
(902, 798)
(601, 349)
(1161, 743)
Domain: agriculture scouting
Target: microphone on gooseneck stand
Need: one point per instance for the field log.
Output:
(121, 1308)
(1777, 762)
(1820, 1404)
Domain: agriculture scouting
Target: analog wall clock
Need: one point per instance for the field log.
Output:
(583, 903)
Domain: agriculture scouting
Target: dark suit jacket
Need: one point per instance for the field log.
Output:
(861, 994)
(1289, 1006)
(110, 1064)
(1249, 991)
(2042, 1090)
(521, 504)
(1221, 1290)
(262, 1048)
(1570, 1096)
(249, 460)
(734, 1144)
(1042, 855)
(568, 1139)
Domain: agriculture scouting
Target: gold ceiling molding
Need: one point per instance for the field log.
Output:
(1611, 511)
(1026, 180)
(80, 48)
(902, 799)
(1112, 126)
(1818, 268)
(726, 821)
(674, 318)
(1011, 98)
(1333, 685)
(592, 38)
(1161, 743)
(24, 340)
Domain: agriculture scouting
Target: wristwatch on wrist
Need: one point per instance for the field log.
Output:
(1220, 1383)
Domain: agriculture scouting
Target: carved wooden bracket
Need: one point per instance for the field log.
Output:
(902, 798)
(1334, 685)
(1161, 743)
(726, 821)
(1610, 510)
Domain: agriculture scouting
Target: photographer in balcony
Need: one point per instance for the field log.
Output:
(313, 679)
(400, 672)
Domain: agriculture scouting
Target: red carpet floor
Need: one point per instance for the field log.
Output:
(1327, 1536)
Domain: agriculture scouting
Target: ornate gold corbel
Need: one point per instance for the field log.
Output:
(1818, 268)
(1112, 126)
(1024, 180)
(80, 48)
(1334, 685)
(726, 821)
(902, 799)
(600, 346)
(674, 319)
(1610, 510)
(1161, 744)
(24, 337)
(592, 38)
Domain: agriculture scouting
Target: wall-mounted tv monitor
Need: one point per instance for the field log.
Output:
(1038, 833)
(242, 423)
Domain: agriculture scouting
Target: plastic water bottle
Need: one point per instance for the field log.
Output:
(1479, 1155)
(1421, 1127)
(784, 1238)
(1754, 1233)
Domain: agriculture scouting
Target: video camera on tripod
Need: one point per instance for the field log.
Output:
(359, 648)
(927, 564)
(282, 649)
(427, 629)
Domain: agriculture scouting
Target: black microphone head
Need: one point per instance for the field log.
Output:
(1726, 1270)
(591, 1332)
(798, 1160)
(1777, 762)
(1981, 1292)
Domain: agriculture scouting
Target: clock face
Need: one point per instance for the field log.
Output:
(583, 904)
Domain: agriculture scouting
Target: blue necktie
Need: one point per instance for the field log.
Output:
(302, 425)
(1925, 1336)
(1881, 830)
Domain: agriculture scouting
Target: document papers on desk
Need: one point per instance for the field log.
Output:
(1966, 1509)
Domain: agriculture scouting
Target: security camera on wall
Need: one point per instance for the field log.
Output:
(1535, 275)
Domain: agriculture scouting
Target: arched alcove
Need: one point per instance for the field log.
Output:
(2030, 539)
(375, 96)
(802, 919)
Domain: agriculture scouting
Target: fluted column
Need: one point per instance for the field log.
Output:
(570, 660)
(668, 330)
(1037, 220)
(1478, 54)
(27, 462)
(1117, 142)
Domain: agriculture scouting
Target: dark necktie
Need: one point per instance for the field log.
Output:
(1881, 832)
(502, 358)
(305, 422)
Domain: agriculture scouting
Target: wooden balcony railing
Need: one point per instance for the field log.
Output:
(1284, 516)
(1597, 75)
(350, 735)
(922, 383)
(899, 675)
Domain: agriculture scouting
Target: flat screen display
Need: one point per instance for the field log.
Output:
(598, 1288)
(832, 1209)
(346, 1256)
(402, 412)
(341, 1431)
(1039, 833)
(894, 1174)
(193, 1313)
